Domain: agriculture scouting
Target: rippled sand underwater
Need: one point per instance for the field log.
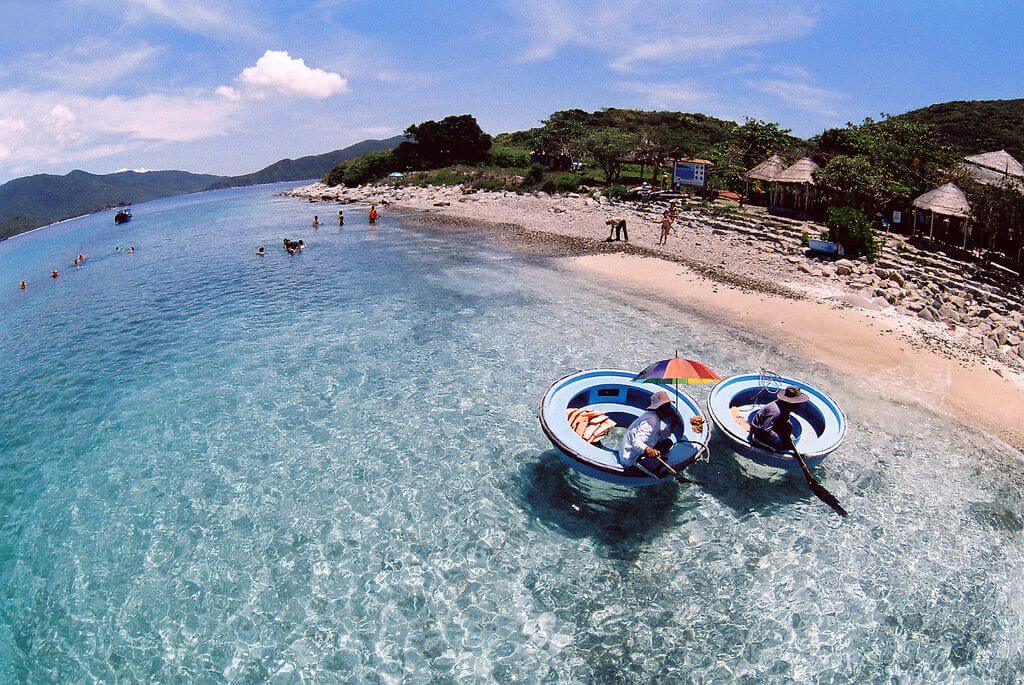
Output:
(327, 467)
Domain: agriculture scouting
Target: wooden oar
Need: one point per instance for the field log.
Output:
(816, 487)
(678, 476)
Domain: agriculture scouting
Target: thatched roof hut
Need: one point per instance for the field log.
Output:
(802, 171)
(767, 170)
(993, 168)
(1001, 161)
(948, 200)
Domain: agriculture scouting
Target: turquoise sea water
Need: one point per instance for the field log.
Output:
(327, 467)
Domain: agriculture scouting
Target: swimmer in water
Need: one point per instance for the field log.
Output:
(23, 285)
(261, 250)
(54, 274)
(131, 249)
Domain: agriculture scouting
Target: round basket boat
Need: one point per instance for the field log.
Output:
(819, 425)
(618, 397)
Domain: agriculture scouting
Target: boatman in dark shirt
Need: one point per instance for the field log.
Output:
(770, 426)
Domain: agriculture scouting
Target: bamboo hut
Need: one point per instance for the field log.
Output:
(948, 202)
(796, 184)
(765, 172)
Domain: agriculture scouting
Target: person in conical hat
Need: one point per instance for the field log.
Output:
(770, 427)
(648, 439)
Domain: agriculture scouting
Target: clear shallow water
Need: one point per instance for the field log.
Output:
(221, 467)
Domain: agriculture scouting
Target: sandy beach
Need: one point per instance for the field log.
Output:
(735, 280)
(868, 345)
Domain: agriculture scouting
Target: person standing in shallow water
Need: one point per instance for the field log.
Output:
(341, 218)
(374, 214)
(316, 221)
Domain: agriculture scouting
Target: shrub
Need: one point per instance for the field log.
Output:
(567, 183)
(851, 228)
(534, 175)
(372, 166)
(616, 192)
(805, 239)
(510, 157)
(549, 187)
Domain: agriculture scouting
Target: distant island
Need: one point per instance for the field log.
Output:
(41, 199)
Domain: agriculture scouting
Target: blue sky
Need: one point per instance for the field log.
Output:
(225, 86)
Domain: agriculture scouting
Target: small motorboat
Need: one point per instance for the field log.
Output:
(819, 425)
(122, 217)
(615, 399)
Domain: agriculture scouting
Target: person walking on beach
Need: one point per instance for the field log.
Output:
(341, 218)
(647, 441)
(666, 226)
(770, 426)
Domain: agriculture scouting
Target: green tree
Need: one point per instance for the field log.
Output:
(757, 140)
(851, 228)
(563, 133)
(435, 144)
(609, 147)
(880, 163)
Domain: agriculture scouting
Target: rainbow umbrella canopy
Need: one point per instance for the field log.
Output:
(677, 371)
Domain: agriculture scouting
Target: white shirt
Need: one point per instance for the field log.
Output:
(647, 431)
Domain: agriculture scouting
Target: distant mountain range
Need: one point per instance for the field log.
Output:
(33, 201)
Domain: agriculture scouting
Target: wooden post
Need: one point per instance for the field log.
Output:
(931, 229)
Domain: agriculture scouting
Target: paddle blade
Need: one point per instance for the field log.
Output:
(826, 497)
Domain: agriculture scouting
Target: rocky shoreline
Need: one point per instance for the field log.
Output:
(940, 303)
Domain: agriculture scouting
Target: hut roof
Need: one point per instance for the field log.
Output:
(767, 170)
(947, 200)
(1000, 161)
(802, 171)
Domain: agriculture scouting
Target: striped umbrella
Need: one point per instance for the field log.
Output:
(677, 372)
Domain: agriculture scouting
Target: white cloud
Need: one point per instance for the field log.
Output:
(90, 64)
(802, 95)
(228, 93)
(62, 124)
(204, 17)
(58, 127)
(633, 33)
(669, 95)
(11, 132)
(277, 72)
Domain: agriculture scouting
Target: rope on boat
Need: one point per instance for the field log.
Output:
(766, 379)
